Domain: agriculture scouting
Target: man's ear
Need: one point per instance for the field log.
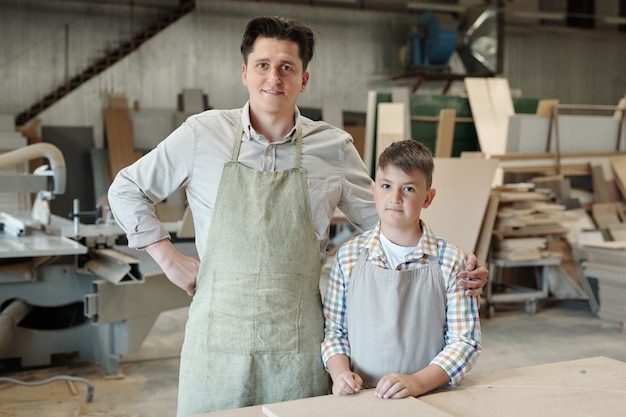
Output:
(430, 196)
(243, 74)
(305, 80)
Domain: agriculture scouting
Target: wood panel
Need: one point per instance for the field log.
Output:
(492, 105)
(445, 133)
(586, 387)
(358, 405)
(463, 189)
(390, 125)
(119, 139)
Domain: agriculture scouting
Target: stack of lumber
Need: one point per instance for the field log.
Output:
(529, 225)
(525, 221)
(606, 261)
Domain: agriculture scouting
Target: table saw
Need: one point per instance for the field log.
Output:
(68, 288)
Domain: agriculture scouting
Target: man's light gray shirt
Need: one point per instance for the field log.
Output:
(193, 156)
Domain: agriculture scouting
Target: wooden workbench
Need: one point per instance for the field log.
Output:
(586, 387)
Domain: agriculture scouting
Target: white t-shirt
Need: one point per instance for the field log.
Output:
(395, 253)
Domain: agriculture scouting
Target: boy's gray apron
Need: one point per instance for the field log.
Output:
(396, 319)
(255, 323)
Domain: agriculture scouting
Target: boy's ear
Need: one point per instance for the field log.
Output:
(430, 196)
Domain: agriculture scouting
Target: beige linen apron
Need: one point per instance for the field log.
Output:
(396, 319)
(255, 323)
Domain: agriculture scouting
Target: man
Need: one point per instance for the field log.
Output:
(263, 183)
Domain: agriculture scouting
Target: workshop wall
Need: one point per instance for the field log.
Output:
(357, 51)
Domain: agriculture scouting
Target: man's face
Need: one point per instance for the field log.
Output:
(274, 76)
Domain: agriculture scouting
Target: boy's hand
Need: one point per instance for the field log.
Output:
(347, 382)
(396, 386)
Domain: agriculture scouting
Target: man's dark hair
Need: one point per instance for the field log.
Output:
(408, 155)
(282, 29)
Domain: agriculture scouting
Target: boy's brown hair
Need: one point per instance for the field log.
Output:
(408, 155)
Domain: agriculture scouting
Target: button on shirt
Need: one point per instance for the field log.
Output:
(462, 334)
(193, 157)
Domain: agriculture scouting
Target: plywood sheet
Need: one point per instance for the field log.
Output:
(491, 104)
(586, 387)
(545, 106)
(528, 133)
(403, 95)
(119, 139)
(390, 125)
(483, 243)
(358, 405)
(618, 163)
(445, 133)
(463, 189)
(369, 148)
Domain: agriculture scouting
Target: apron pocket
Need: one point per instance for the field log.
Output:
(255, 313)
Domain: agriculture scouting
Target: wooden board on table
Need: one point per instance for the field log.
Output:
(586, 387)
(358, 405)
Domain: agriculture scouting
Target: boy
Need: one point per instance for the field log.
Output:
(395, 318)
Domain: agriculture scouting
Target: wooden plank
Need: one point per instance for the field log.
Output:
(605, 214)
(403, 95)
(463, 189)
(483, 243)
(370, 131)
(618, 163)
(545, 106)
(358, 405)
(600, 191)
(445, 133)
(484, 119)
(119, 138)
(586, 387)
(390, 125)
(491, 105)
(502, 103)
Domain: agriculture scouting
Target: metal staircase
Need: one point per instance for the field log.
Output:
(102, 64)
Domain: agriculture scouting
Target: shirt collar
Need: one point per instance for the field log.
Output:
(250, 134)
(427, 245)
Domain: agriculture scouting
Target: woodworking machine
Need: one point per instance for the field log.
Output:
(68, 287)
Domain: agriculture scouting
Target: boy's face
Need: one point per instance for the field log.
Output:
(400, 198)
(274, 76)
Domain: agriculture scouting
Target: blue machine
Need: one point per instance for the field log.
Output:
(430, 44)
